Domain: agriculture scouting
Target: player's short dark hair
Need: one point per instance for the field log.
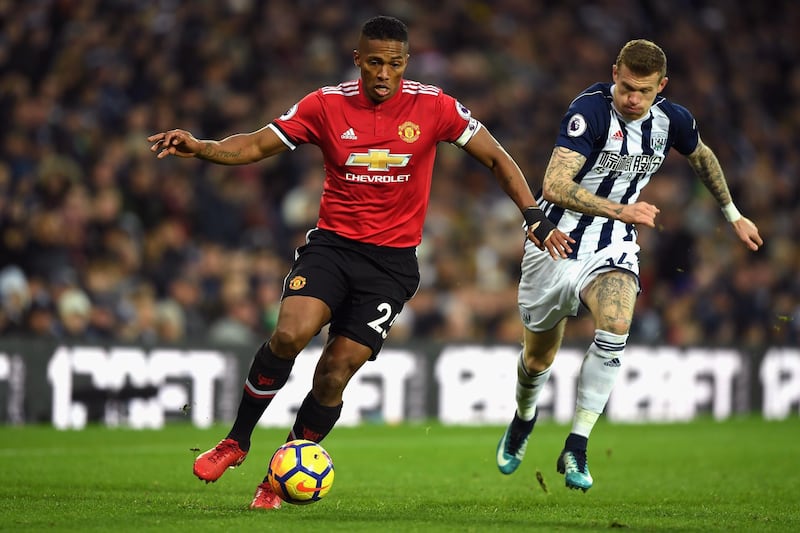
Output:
(383, 28)
(643, 58)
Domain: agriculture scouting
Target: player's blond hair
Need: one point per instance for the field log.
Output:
(643, 58)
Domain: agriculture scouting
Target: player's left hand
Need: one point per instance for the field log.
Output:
(176, 142)
(748, 233)
(557, 243)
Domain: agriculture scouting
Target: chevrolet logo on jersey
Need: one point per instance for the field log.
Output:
(378, 159)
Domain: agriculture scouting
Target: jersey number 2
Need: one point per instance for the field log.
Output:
(383, 323)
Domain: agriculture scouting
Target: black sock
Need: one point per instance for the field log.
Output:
(268, 374)
(314, 421)
(576, 443)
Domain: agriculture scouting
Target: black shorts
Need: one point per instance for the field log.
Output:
(364, 285)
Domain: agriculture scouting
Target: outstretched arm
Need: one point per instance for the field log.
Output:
(560, 188)
(706, 166)
(543, 233)
(237, 149)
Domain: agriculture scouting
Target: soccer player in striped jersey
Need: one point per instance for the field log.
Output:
(378, 137)
(612, 140)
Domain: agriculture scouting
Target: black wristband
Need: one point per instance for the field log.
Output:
(534, 216)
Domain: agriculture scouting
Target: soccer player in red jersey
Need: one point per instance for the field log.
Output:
(378, 137)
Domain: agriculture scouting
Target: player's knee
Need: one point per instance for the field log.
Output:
(617, 326)
(537, 361)
(287, 342)
(610, 344)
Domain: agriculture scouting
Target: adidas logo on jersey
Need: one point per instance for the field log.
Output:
(617, 136)
(349, 135)
(613, 363)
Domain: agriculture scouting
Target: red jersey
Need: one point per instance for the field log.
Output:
(378, 157)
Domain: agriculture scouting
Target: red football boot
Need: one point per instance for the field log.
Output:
(265, 498)
(209, 466)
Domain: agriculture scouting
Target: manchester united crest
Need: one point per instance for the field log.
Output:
(297, 283)
(408, 131)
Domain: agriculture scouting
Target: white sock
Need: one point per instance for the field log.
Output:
(583, 422)
(529, 386)
(596, 379)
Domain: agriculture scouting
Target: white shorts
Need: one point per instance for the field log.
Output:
(549, 290)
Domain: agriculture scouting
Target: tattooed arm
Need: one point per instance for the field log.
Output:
(237, 149)
(560, 188)
(707, 168)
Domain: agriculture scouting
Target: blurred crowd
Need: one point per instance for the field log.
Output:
(100, 241)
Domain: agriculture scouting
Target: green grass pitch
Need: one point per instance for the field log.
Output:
(737, 475)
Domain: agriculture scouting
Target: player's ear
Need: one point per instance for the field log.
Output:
(663, 83)
(356, 58)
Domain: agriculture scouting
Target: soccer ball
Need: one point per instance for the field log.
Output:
(300, 472)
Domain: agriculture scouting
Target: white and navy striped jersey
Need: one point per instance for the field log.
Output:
(621, 156)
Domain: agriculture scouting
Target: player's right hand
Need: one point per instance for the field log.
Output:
(180, 143)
